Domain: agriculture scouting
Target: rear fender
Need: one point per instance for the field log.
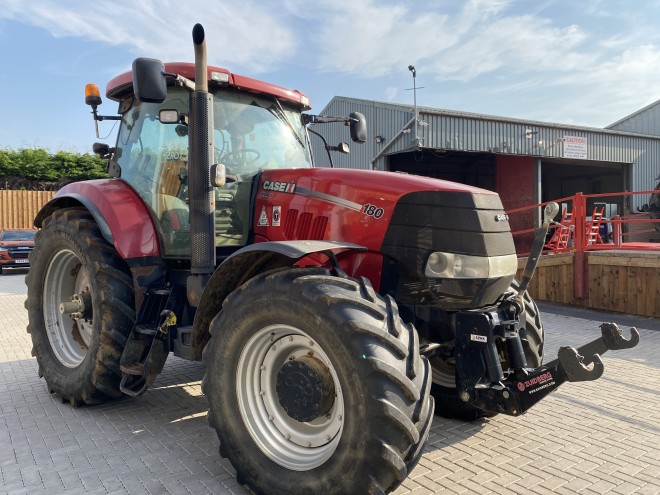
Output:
(244, 265)
(120, 213)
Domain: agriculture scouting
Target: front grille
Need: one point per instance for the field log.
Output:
(19, 253)
(453, 222)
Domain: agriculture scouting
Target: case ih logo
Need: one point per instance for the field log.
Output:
(285, 187)
(537, 380)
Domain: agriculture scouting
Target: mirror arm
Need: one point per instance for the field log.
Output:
(180, 81)
(106, 117)
(323, 119)
(325, 144)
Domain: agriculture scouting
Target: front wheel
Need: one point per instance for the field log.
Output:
(315, 385)
(78, 349)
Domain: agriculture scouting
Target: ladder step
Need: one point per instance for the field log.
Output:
(146, 329)
(135, 369)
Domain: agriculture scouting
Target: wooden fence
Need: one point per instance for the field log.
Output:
(621, 281)
(18, 208)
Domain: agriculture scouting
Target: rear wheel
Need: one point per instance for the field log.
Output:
(448, 404)
(315, 385)
(74, 269)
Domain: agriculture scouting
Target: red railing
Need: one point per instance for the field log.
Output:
(579, 226)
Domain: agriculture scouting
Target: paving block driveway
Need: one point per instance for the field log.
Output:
(592, 437)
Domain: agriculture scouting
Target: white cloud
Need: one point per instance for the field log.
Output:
(589, 62)
(246, 33)
(391, 92)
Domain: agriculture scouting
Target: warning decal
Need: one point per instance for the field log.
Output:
(277, 211)
(263, 218)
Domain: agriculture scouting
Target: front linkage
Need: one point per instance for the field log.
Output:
(483, 338)
(481, 381)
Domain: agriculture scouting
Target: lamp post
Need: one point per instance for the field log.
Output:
(411, 68)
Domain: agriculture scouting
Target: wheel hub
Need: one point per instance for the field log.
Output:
(305, 388)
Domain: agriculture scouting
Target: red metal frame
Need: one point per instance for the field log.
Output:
(581, 245)
(579, 210)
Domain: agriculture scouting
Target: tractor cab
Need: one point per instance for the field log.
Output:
(252, 132)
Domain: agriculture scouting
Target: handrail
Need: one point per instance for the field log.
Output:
(578, 222)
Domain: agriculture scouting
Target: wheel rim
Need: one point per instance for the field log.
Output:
(69, 339)
(299, 446)
(442, 373)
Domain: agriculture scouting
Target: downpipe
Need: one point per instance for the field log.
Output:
(200, 159)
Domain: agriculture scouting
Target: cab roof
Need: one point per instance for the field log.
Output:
(122, 86)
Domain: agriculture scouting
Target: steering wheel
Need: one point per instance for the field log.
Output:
(241, 155)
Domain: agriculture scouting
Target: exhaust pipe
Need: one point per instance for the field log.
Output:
(200, 159)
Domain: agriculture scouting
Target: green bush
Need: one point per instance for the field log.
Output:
(40, 164)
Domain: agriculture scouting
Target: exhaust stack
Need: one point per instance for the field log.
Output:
(200, 159)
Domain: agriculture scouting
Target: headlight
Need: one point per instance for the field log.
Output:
(2, 250)
(451, 265)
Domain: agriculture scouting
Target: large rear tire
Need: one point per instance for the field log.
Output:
(448, 404)
(371, 415)
(79, 358)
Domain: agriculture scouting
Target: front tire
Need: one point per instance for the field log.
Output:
(358, 425)
(79, 358)
(448, 404)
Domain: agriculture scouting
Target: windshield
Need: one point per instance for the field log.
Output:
(251, 133)
(17, 235)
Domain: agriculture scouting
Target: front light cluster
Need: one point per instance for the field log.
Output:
(462, 266)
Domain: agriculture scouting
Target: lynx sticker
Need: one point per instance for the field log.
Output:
(263, 218)
(277, 212)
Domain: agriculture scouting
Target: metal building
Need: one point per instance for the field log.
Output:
(643, 121)
(525, 161)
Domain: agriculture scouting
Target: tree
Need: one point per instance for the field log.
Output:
(40, 164)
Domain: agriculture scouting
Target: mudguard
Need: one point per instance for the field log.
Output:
(120, 213)
(242, 266)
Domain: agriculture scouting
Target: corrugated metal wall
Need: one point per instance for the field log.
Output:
(481, 133)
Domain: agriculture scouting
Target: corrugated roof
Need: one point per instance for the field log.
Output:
(494, 118)
(634, 114)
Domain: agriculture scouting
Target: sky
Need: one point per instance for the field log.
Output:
(587, 62)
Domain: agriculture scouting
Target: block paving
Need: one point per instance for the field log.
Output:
(588, 438)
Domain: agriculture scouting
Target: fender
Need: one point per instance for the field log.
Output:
(120, 213)
(242, 266)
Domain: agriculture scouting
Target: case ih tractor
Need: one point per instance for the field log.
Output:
(330, 307)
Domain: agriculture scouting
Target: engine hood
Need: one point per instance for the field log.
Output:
(338, 204)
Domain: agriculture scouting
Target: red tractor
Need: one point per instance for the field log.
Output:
(330, 306)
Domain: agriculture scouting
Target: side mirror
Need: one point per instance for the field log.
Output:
(149, 83)
(358, 127)
(102, 150)
(218, 175)
(341, 148)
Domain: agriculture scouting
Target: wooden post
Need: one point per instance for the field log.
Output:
(580, 289)
(616, 230)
